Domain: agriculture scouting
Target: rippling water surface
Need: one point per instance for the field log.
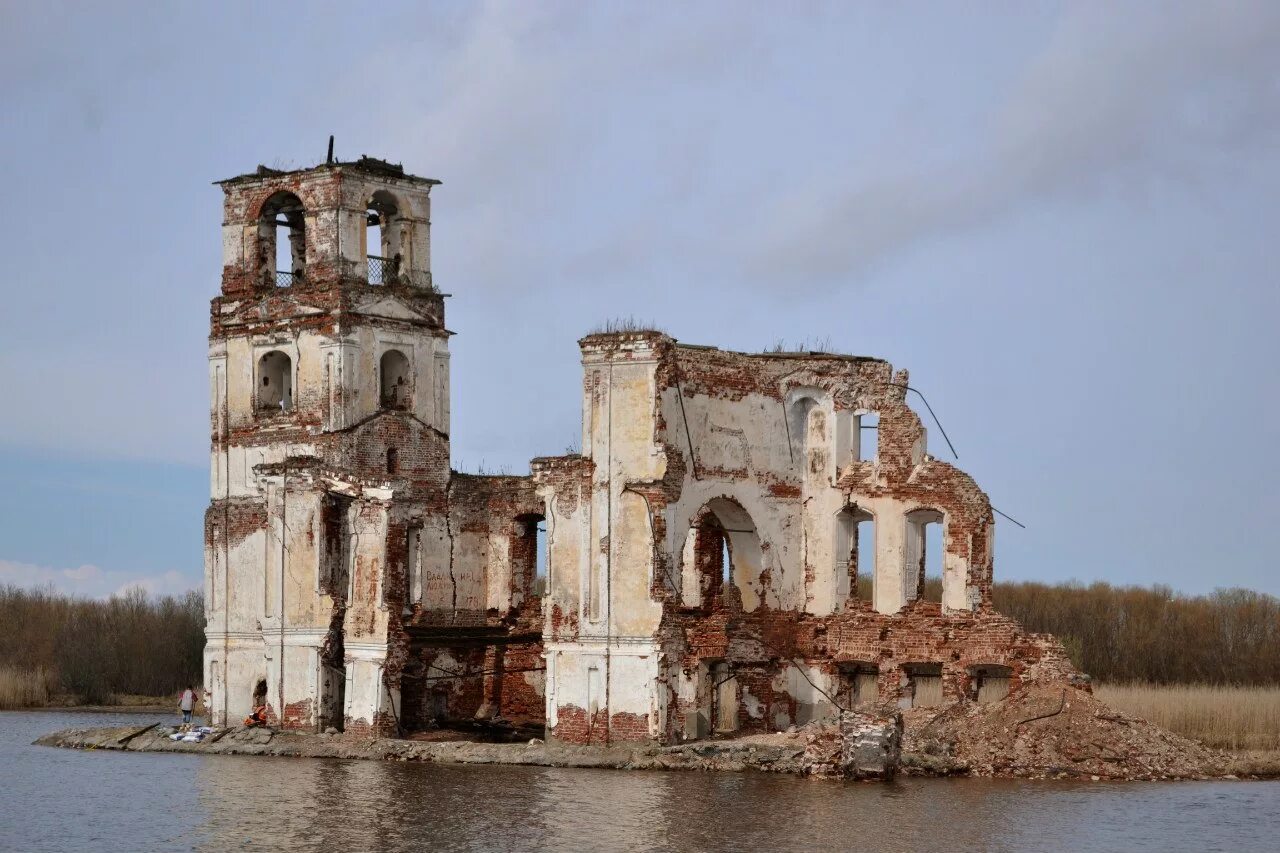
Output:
(56, 799)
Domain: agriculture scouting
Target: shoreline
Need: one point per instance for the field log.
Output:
(761, 753)
(101, 709)
(736, 755)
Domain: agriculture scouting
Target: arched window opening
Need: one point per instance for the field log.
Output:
(989, 682)
(396, 380)
(721, 550)
(932, 568)
(393, 460)
(866, 437)
(855, 555)
(810, 437)
(382, 238)
(867, 551)
(705, 568)
(924, 555)
(858, 686)
(529, 555)
(282, 241)
(275, 382)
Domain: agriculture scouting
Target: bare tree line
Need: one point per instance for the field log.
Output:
(139, 645)
(1153, 634)
(128, 644)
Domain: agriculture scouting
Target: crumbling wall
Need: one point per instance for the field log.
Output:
(296, 417)
(727, 499)
(703, 552)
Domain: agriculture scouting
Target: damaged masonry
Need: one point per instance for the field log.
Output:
(698, 571)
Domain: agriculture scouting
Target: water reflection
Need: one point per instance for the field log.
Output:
(62, 800)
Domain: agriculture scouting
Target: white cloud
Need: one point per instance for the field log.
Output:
(90, 581)
(1117, 96)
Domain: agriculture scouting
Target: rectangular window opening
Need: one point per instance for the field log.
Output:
(868, 439)
(924, 686)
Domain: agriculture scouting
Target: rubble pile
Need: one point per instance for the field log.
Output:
(1051, 731)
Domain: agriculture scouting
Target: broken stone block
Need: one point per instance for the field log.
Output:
(870, 743)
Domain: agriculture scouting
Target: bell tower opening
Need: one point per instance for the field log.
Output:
(303, 356)
(382, 239)
(282, 241)
(275, 382)
(396, 380)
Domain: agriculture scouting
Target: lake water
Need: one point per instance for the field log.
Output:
(55, 799)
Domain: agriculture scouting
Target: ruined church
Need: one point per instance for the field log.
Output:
(739, 547)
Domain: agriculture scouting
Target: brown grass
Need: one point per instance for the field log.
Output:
(1236, 718)
(23, 688)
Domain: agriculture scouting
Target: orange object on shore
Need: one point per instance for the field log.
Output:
(257, 718)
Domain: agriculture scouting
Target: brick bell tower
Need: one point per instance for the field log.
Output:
(329, 392)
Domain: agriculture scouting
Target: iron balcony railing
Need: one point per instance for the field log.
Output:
(287, 279)
(382, 270)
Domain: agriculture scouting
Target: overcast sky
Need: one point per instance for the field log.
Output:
(1064, 220)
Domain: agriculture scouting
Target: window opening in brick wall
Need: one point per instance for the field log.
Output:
(541, 572)
(282, 241)
(528, 555)
(866, 558)
(275, 382)
(855, 555)
(396, 380)
(924, 554)
(382, 239)
(924, 685)
(723, 691)
(989, 683)
(858, 684)
(867, 437)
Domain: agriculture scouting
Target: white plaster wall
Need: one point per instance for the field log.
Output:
(747, 440)
(742, 438)
(335, 382)
(437, 582)
(809, 687)
(465, 583)
(630, 670)
(618, 409)
(366, 694)
(433, 563)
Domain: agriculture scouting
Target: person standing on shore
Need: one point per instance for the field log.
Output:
(187, 703)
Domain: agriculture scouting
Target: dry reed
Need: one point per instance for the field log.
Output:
(1239, 718)
(23, 688)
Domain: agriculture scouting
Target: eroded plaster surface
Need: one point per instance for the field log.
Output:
(741, 545)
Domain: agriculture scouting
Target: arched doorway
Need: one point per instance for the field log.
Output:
(722, 550)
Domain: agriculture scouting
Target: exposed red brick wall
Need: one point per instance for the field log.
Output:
(574, 725)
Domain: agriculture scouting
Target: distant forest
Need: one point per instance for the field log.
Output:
(130, 644)
(139, 645)
(1153, 634)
